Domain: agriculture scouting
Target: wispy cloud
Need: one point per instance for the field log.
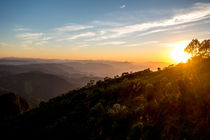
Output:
(141, 44)
(46, 38)
(105, 30)
(197, 12)
(80, 46)
(33, 39)
(112, 43)
(103, 37)
(175, 28)
(19, 28)
(72, 27)
(106, 23)
(123, 6)
(30, 36)
(26, 43)
(4, 44)
(101, 32)
(82, 35)
(40, 43)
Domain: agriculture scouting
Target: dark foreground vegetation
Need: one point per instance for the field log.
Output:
(11, 105)
(173, 103)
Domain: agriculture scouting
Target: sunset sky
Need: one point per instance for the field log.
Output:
(124, 30)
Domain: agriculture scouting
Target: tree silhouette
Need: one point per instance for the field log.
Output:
(204, 49)
(195, 48)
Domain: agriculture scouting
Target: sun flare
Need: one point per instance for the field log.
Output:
(178, 54)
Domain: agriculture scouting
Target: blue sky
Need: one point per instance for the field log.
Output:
(133, 30)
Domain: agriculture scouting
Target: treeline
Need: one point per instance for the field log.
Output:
(199, 49)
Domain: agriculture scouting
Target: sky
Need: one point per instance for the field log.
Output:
(123, 30)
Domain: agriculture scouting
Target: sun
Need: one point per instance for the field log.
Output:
(178, 54)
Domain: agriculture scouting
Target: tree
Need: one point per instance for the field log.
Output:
(124, 74)
(204, 49)
(195, 48)
(90, 83)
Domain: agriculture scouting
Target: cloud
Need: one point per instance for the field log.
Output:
(123, 6)
(29, 36)
(197, 12)
(141, 44)
(46, 38)
(112, 43)
(33, 39)
(82, 46)
(176, 28)
(82, 35)
(26, 43)
(3, 44)
(72, 27)
(106, 34)
(104, 30)
(79, 46)
(106, 23)
(19, 29)
(40, 43)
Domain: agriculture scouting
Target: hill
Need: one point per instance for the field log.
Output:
(36, 86)
(99, 68)
(12, 105)
(173, 103)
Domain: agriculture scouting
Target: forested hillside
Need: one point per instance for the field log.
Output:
(36, 86)
(173, 103)
(11, 105)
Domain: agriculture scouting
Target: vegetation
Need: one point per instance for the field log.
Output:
(197, 49)
(35, 86)
(11, 105)
(173, 103)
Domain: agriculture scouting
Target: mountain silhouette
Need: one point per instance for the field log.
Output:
(36, 86)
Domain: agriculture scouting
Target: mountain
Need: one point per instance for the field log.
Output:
(12, 105)
(98, 68)
(36, 86)
(103, 68)
(173, 103)
(46, 78)
(74, 73)
(51, 68)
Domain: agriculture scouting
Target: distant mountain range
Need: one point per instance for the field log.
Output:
(36, 86)
(42, 79)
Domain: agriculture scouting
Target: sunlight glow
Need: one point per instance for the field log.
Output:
(178, 54)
